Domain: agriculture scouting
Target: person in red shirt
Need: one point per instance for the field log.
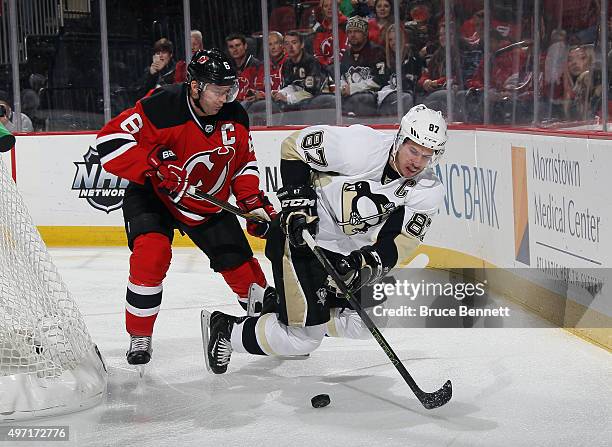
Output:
(245, 64)
(182, 136)
(323, 42)
(197, 44)
(256, 104)
(377, 26)
(503, 66)
(277, 59)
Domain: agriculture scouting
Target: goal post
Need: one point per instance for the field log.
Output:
(48, 362)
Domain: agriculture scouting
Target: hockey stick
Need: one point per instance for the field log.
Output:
(429, 400)
(197, 194)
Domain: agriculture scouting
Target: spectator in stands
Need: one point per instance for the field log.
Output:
(323, 42)
(277, 59)
(7, 117)
(364, 8)
(246, 65)
(257, 108)
(197, 44)
(362, 69)
(471, 46)
(302, 77)
(577, 81)
(377, 27)
(432, 83)
(579, 18)
(421, 29)
(508, 65)
(555, 66)
(411, 71)
(162, 70)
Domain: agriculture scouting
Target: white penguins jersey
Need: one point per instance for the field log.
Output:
(361, 200)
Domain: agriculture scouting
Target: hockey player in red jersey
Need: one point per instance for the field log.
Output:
(182, 136)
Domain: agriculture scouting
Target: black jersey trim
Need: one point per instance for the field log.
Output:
(166, 106)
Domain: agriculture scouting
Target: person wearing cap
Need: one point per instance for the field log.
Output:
(362, 69)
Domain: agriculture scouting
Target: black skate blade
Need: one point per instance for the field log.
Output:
(205, 325)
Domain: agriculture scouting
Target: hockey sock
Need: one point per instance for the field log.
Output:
(265, 335)
(240, 279)
(346, 324)
(149, 263)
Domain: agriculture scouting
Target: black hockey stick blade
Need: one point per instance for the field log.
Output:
(197, 194)
(428, 400)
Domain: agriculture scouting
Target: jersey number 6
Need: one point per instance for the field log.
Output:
(132, 124)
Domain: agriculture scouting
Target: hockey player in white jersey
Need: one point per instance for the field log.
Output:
(368, 199)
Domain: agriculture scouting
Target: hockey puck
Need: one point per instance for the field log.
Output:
(320, 401)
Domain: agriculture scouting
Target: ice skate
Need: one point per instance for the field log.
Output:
(139, 354)
(216, 334)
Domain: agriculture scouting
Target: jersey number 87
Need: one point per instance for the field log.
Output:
(418, 224)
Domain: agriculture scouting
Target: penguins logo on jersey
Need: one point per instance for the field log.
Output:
(358, 74)
(208, 170)
(363, 209)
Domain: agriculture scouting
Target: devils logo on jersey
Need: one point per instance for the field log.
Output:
(208, 170)
(327, 46)
(362, 209)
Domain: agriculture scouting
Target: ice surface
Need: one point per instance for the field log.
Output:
(512, 387)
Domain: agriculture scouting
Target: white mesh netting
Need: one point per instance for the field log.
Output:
(43, 338)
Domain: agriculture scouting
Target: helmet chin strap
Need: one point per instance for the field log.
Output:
(394, 151)
(197, 101)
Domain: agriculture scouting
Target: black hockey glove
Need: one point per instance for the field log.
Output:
(360, 267)
(298, 211)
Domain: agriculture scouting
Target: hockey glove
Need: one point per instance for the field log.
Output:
(298, 212)
(259, 205)
(361, 267)
(174, 179)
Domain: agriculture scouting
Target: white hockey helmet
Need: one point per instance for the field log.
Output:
(425, 127)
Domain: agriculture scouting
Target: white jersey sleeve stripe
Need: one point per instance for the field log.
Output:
(117, 152)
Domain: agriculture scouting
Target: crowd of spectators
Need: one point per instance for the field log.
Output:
(570, 73)
(301, 75)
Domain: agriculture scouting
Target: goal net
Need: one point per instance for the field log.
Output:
(48, 362)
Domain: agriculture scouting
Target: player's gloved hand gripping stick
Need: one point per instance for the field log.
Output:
(174, 179)
(429, 400)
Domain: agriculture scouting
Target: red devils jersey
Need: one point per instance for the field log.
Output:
(216, 151)
(246, 76)
(276, 74)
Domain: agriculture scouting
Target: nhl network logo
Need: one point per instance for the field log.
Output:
(102, 190)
